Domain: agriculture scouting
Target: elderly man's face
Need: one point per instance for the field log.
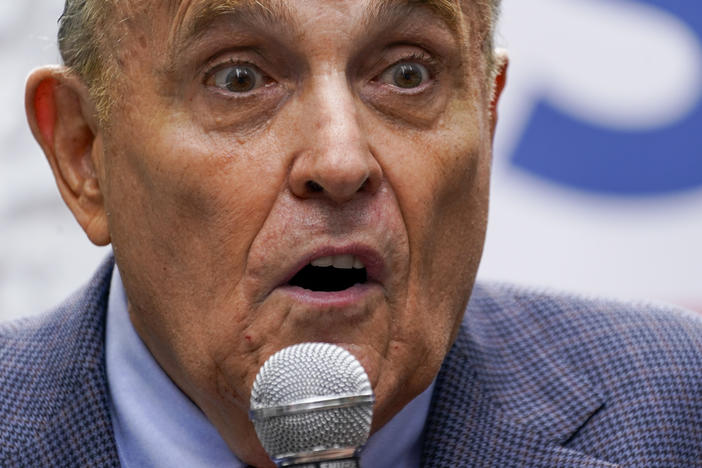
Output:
(253, 140)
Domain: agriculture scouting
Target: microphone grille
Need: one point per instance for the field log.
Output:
(308, 373)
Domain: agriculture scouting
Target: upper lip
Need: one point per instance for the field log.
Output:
(371, 258)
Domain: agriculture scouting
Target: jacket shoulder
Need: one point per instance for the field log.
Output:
(645, 361)
(601, 332)
(31, 346)
(51, 372)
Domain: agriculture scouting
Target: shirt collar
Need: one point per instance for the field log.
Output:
(155, 424)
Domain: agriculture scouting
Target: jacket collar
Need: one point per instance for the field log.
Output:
(504, 395)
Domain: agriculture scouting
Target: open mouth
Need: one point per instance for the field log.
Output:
(331, 274)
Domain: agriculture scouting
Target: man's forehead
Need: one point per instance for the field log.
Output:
(193, 15)
(187, 20)
(448, 6)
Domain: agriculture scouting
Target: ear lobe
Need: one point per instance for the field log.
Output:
(502, 63)
(61, 116)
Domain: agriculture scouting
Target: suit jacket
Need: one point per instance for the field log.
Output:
(533, 380)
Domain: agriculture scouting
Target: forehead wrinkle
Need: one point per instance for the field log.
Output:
(385, 10)
(194, 21)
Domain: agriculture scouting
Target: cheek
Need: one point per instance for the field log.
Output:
(203, 189)
(187, 208)
(442, 189)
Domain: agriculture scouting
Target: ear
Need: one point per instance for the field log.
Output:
(63, 120)
(502, 63)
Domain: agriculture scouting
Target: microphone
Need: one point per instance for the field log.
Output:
(312, 406)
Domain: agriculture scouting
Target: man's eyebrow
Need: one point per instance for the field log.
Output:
(385, 10)
(265, 12)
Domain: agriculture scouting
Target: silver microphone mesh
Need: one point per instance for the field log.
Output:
(311, 398)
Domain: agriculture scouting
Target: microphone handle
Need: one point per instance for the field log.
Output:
(338, 463)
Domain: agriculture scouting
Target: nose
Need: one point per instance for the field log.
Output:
(337, 162)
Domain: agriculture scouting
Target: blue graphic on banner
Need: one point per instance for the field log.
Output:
(602, 160)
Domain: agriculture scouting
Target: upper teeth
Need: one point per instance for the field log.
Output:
(339, 261)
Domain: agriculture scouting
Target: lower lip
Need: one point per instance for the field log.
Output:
(349, 297)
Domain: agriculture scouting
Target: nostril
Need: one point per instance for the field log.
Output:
(314, 187)
(365, 184)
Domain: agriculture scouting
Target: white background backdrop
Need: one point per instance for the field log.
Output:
(592, 58)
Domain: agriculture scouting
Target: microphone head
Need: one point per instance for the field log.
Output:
(311, 401)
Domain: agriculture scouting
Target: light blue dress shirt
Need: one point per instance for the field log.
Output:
(156, 425)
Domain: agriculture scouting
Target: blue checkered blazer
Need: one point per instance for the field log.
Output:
(533, 380)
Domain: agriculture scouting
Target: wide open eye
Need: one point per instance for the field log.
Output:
(238, 78)
(405, 75)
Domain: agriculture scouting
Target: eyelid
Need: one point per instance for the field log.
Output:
(419, 57)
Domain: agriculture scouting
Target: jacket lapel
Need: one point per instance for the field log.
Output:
(504, 398)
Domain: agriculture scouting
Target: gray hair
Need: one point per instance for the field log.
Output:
(82, 38)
